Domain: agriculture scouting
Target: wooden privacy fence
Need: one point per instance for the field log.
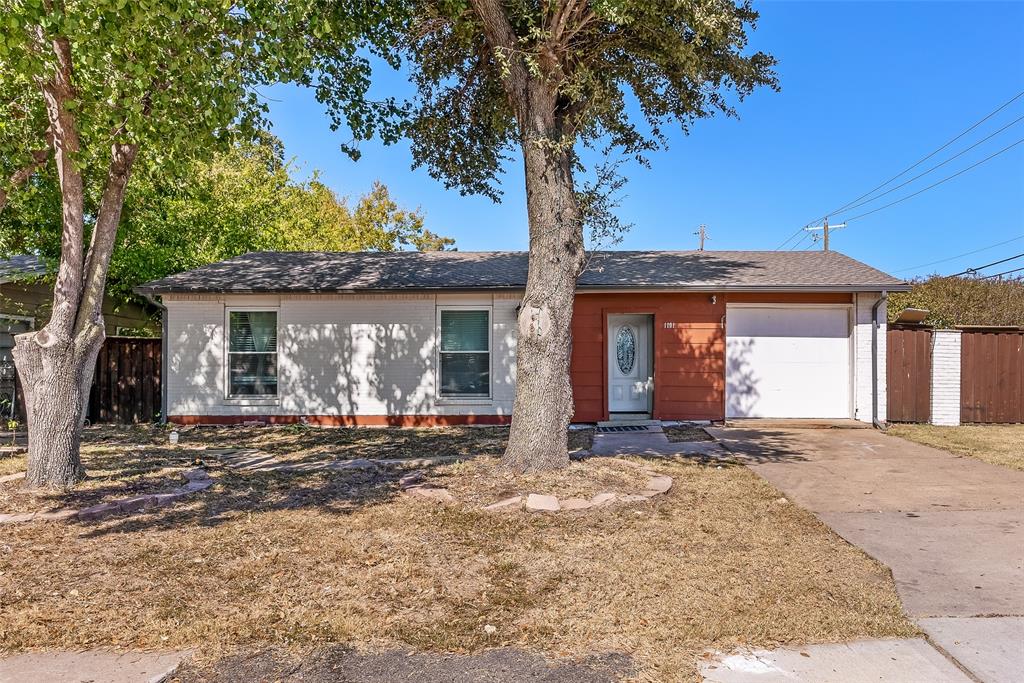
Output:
(126, 387)
(992, 376)
(908, 374)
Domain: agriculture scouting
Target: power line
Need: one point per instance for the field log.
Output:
(966, 253)
(789, 239)
(917, 163)
(947, 178)
(1005, 272)
(970, 271)
(936, 166)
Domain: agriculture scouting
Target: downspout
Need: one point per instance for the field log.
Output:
(874, 361)
(163, 355)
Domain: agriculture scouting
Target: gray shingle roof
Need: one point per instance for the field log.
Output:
(445, 270)
(20, 267)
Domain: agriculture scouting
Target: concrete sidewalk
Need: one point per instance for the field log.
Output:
(951, 528)
(92, 666)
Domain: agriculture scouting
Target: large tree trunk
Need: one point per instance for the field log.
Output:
(56, 379)
(543, 405)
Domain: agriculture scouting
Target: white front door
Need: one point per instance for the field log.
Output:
(788, 361)
(629, 364)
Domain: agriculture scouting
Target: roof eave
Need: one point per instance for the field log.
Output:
(781, 289)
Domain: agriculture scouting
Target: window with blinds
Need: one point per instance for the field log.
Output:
(465, 354)
(252, 353)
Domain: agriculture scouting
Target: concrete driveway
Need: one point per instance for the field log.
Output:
(951, 528)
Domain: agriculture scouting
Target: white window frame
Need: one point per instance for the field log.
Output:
(466, 400)
(243, 399)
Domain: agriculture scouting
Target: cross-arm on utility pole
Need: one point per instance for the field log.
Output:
(825, 228)
(702, 233)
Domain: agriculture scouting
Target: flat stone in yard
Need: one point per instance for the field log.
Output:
(56, 515)
(603, 499)
(536, 502)
(514, 501)
(12, 477)
(357, 464)
(99, 511)
(411, 479)
(657, 485)
(17, 517)
(576, 504)
(136, 503)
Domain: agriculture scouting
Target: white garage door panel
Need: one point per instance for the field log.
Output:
(788, 362)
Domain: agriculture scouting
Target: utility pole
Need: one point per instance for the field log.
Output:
(825, 229)
(702, 233)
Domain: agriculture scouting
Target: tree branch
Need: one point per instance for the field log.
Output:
(21, 176)
(505, 46)
(58, 91)
(104, 235)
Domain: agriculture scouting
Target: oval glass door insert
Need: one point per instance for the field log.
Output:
(625, 349)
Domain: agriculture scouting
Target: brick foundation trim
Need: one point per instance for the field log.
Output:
(345, 420)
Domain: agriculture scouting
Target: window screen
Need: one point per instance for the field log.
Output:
(465, 353)
(252, 353)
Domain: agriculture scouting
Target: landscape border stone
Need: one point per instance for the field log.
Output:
(196, 480)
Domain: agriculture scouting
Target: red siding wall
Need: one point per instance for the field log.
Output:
(689, 354)
(689, 349)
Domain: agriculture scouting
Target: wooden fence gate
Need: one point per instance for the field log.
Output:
(908, 374)
(126, 387)
(992, 376)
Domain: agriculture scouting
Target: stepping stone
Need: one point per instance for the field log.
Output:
(361, 464)
(576, 504)
(17, 517)
(57, 515)
(514, 501)
(136, 503)
(411, 479)
(658, 484)
(536, 502)
(99, 511)
(603, 499)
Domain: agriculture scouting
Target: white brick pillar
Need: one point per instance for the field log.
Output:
(946, 377)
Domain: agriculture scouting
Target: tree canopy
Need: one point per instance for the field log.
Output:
(952, 301)
(620, 70)
(239, 200)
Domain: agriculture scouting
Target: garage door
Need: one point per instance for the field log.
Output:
(788, 362)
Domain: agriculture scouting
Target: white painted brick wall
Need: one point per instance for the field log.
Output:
(862, 357)
(946, 377)
(337, 355)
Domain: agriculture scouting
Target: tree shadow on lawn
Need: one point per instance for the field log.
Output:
(236, 493)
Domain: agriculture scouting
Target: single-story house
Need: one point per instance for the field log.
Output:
(430, 338)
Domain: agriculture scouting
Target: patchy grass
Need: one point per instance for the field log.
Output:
(301, 560)
(482, 481)
(678, 433)
(9, 464)
(997, 444)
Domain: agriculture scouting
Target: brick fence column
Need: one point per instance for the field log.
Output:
(946, 377)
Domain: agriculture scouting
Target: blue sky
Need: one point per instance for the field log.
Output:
(868, 88)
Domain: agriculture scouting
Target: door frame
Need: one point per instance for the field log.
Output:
(851, 331)
(652, 353)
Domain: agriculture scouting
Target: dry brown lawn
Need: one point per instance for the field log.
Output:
(678, 433)
(997, 444)
(302, 560)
